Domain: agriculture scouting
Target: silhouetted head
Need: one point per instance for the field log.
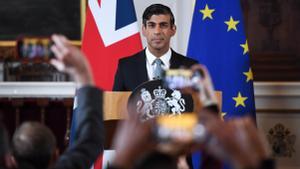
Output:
(33, 145)
(156, 160)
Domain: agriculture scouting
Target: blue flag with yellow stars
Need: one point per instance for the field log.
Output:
(218, 40)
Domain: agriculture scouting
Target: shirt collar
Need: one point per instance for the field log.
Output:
(165, 58)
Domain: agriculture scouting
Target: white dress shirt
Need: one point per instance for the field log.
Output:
(150, 59)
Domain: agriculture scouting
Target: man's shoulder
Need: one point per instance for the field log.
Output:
(184, 58)
(133, 58)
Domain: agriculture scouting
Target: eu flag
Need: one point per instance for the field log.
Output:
(218, 40)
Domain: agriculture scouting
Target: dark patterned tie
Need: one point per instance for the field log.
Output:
(158, 71)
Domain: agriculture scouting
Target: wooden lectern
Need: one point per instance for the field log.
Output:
(115, 109)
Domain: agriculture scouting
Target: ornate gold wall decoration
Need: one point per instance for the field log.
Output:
(282, 141)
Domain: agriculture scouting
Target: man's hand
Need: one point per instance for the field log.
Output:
(239, 141)
(69, 59)
(204, 96)
(207, 94)
(132, 139)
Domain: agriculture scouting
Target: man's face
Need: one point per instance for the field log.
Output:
(158, 32)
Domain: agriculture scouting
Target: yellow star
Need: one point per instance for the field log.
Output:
(240, 100)
(246, 47)
(231, 24)
(249, 75)
(207, 13)
(223, 115)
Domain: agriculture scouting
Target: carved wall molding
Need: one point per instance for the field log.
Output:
(37, 89)
(268, 95)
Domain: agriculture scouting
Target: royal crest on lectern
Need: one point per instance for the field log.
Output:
(149, 107)
(153, 98)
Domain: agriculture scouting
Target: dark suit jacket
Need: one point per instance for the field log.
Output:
(132, 70)
(88, 142)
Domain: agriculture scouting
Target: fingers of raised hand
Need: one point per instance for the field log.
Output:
(58, 65)
(61, 47)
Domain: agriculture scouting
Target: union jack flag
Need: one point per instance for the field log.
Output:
(111, 32)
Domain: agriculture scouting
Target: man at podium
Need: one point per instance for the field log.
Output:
(158, 28)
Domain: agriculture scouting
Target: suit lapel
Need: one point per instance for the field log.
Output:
(174, 61)
(141, 67)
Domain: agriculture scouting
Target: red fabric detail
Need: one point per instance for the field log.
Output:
(98, 162)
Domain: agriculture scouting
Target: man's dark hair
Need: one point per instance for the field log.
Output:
(157, 9)
(33, 145)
